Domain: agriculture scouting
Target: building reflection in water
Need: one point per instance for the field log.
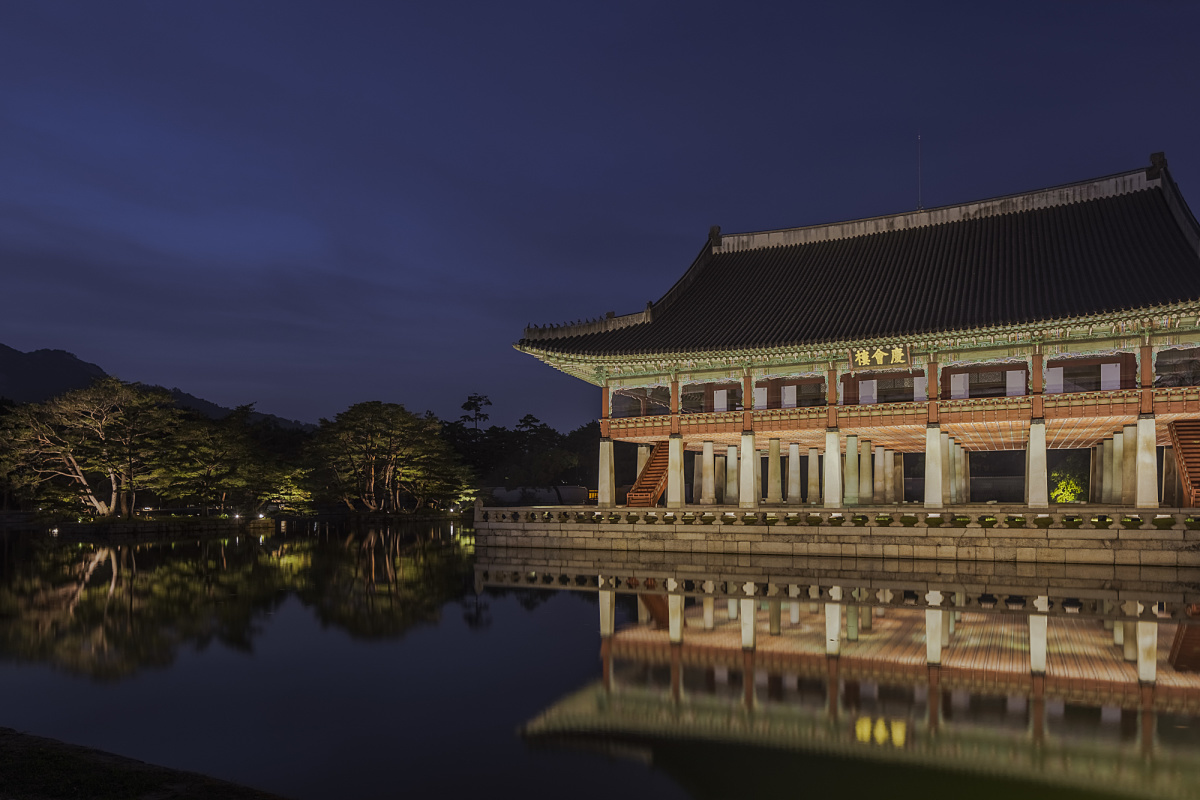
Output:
(1073, 677)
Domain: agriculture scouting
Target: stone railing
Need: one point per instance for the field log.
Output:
(891, 516)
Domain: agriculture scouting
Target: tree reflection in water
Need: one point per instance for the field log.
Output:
(107, 611)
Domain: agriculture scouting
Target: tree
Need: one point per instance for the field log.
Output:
(375, 455)
(1069, 479)
(97, 444)
(474, 405)
(206, 461)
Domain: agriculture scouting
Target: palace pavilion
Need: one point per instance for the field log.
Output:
(1065, 318)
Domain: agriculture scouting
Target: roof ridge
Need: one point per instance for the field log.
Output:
(1065, 194)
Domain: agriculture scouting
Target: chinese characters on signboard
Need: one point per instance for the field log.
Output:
(891, 356)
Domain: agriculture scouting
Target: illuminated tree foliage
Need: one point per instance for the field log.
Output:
(96, 445)
(380, 457)
(1069, 480)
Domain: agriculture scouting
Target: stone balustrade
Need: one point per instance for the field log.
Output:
(1064, 534)
(858, 517)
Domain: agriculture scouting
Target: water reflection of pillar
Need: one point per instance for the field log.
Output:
(1149, 721)
(748, 679)
(676, 671)
(935, 696)
(852, 696)
(606, 663)
(608, 623)
(833, 665)
(1037, 711)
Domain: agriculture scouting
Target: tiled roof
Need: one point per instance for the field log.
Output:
(1122, 242)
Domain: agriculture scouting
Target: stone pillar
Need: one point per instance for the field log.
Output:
(889, 477)
(1129, 465)
(710, 615)
(1037, 643)
(608, 618)
(719, 478)
(748, 631)
(606, 495)
(933, 635)
(878, 485)
(708, 473)
(794, 612)
(1146, 464)
(1147, 651)
(850, 495)
(733, 608)
(1039, 482)
(944, 461)
(793, 490)
(960, 469)
(675, 617)
(865, 618)
(643, 455)
(731, 475)
(675, 471)
(775, 617)
(1170, 497)
(866, 484)
(747, 490)
(952, 463)
(1106, 472)
(1095, 473)
(774, 473)
(814, 476)
(1118, 471)
(898, 470)
(851, 623)
(833, 472)
(933, 467)
(758, 471)
(833, 623)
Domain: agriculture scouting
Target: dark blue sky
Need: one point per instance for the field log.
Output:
(306, 205)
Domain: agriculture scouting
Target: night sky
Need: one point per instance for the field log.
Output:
(306, 205)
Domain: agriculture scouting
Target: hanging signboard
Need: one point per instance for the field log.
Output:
(884, 356)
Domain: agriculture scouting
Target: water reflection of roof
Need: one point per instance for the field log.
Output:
(789, 746)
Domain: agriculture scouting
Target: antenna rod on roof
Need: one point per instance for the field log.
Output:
(918, 170)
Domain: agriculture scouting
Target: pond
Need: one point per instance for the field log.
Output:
(333, 662)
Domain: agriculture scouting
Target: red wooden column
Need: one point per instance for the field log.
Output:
(605, 410)
(1037, 386)
(675, 407)
(831, 398)
(1147, 379)
(747, 403)
(933, 386)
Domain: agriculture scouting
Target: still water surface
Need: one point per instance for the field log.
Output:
(363, 664)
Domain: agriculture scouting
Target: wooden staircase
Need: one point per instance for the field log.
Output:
(652, 481)
(1185, 440)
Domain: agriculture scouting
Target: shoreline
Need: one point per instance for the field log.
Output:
(37, 768)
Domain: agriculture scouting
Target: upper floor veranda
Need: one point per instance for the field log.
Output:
(1088, 389)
